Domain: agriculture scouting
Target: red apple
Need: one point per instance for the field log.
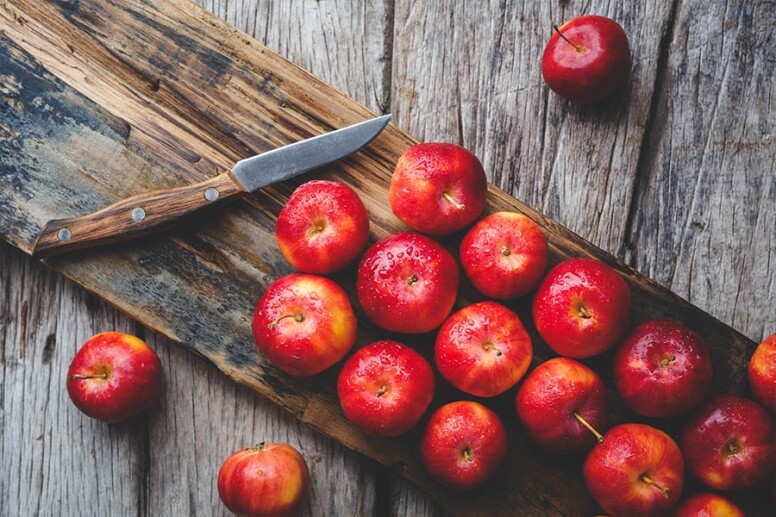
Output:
(707, 505)
(730, 443)
(463, 445)
(483, 349)
(407, 283)
(762, 372)
(662, 369)
(437, 188)
(114, 377)
(504, 255)
(636, 471)
(385, 387)
(587, 59)
(268, 479)
(582, 308)
(563, 405)
(323, 227)
(303, 324)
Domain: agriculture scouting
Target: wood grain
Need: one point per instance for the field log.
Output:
(161, 272)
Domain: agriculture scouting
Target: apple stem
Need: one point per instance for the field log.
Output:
(298, 317)
(452, 200)
(382, 391)
(577, 47)
(581, 420)
(258, 447)
(490, 346)
(666, 361)
(79, 377)
(583, 313)
(467, 454)
(412, 279)
(505, 251)
(645, 478)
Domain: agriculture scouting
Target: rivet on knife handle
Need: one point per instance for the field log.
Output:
(133, 217)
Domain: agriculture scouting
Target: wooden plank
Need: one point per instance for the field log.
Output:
(216, 271)
(704, 218)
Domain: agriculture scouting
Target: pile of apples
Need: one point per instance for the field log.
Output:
(408, 284)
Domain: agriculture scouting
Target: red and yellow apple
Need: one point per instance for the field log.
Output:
(504, 255)
(582, 308)
(562, 405)
(636, 471)
(268, 479)
(707, 505)
(730, 444)
(385, 387)
(587, 59)
(114, 377)
(303, 324)
(437, 188)
(483, 349)
(463, 445)
(407, 283)
(762, 372)
(323, 227)
(662, 369)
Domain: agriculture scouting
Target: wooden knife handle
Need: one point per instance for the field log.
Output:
(133, 217)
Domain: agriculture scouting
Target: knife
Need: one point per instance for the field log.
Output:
(150, 212)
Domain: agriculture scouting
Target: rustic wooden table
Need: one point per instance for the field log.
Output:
(676, 178)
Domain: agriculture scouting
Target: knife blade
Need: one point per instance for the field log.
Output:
(151, 212)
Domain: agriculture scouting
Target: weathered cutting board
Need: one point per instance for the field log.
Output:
(101, 100)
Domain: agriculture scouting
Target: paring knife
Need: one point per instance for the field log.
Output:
(147, 213)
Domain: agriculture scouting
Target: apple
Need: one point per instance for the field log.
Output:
(562, 405)
(637, 470)
(407, 283)
(437, 188)
(114, 377)
(762, 372)
(504, 255)
(385, 387)
(483, 349)
(323, 227)
(463, 445)
(662, 369)
(582, 308)
(587, 59)
(268, 479)
(303, 324)
(707, 505)
(730, 443)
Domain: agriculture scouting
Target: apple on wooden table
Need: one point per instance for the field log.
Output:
(407, 283)
(437, 188)
(323, 227)
(662, 369)
(587, 59)
(582, 308)
(483, 349)
(114, 377)
(385, 387)
(636, 471)
(303, 324)
(730, 443)
(463, 445)
(504, 255)
(268, 479)
(562, 405)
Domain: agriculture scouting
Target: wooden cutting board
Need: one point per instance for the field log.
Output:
(101, 101)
